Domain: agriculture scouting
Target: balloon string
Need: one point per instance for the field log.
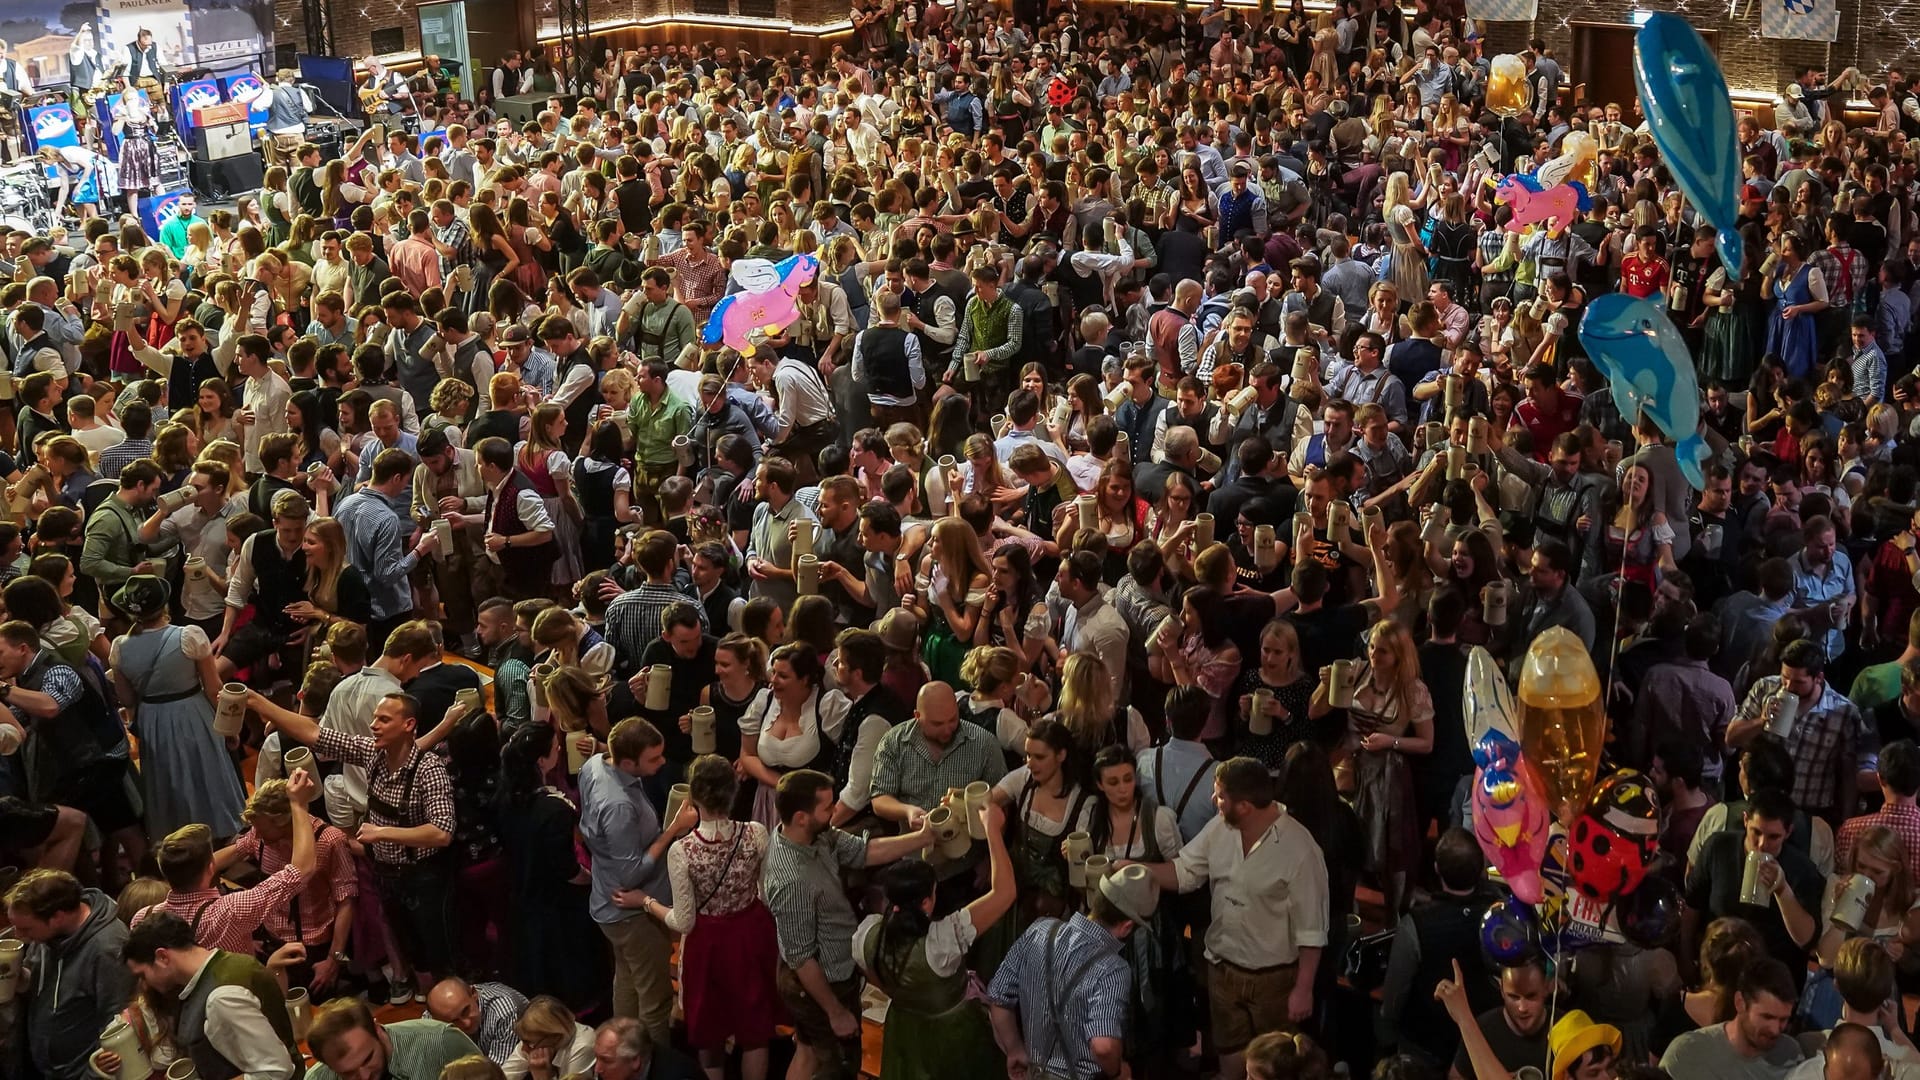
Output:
(1626, 545)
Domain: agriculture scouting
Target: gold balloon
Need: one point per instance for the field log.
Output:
(1508, 91)
(1563, 720)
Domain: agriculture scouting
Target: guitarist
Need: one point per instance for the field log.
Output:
(385, 91)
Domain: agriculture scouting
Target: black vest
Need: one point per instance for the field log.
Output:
(1202, 425)
(305, 191)
(580, 411)
(231, 969)
(933, 355)
(884, 349)
(1036, 321)
(1448, 930)
(277, 582)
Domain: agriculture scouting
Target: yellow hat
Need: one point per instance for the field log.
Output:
(1574, 1035)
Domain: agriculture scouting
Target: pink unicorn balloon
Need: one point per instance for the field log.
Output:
(768, 299)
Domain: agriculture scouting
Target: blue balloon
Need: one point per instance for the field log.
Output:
(1636, 346)
(1690, 116)
(1508, 932)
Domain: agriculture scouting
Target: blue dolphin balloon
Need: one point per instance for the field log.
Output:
(1691, 117)
(1647, 362)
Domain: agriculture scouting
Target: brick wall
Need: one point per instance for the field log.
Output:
(352, 31)
(1751, 62)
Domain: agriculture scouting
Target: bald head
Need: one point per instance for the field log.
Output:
(453, 1001)
(1186, 295)
(937, 713)
(1853, 1053)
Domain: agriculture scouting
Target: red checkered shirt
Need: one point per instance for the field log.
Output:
(228, 920)
(1903, 820)
(333, 880)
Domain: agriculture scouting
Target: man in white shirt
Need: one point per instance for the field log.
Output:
(265, 412)
(863, 140)
(232, 1014)
(1269, 884)
(1091, 624)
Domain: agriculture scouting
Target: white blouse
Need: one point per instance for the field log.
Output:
(948, 940)
(1015, 784)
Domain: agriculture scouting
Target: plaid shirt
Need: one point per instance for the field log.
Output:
(1904, 820)
(117, 457)
(904, 767)
(1844, 271)
(228, 921)
(1057, 1022)
(803, 889)
(633, 621)
(333, 881)
(457, 236)
(1822, 736)
(419, 789)
(500, 1009)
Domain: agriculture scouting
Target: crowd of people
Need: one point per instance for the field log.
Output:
(1043, 656)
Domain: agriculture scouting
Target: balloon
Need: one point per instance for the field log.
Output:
(1691, 119)
(1533, 203)
(1578, 153)
(1636, 346)
(1508, 91)
(1509, 932)
(1510, 815)
(1649, 916)
(1486, 703)
(1611, 844)
(1563, 722)
(766, 300)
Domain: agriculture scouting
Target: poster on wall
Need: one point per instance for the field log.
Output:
(49, 36)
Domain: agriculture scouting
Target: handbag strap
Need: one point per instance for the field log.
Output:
(739, 834)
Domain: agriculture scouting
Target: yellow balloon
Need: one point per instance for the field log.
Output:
(1508, 92)
(1563, 720)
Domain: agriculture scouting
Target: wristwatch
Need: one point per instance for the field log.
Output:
(339, 957)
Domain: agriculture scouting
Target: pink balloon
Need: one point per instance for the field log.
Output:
(1511, 823)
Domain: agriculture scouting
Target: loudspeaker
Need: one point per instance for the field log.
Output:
(217, 142)
(223, 179)
(526, 107)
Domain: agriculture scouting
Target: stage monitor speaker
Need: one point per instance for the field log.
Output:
(217, 142)
(222, 180)
(526, 107)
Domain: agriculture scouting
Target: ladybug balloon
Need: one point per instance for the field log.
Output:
(1059, 93)
(1611, 844)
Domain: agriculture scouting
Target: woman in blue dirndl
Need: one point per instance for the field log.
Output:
(1792, 332)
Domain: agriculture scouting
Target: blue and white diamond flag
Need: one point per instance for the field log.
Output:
(1802, 20)
(1503, 10)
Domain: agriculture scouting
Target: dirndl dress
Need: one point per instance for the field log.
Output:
(728, 958)
(139, 158)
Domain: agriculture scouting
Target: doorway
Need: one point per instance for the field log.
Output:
(1602, 64)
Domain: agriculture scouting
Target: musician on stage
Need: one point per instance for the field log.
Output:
(287, 110)
(83, 62)
(14, 85)
(395, 96)
(143, 58)
(139, 152)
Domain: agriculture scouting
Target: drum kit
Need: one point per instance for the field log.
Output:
(23, 200)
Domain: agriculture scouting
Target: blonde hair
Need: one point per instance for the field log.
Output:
(546, 1021)
(1087, 704)
(990, 668)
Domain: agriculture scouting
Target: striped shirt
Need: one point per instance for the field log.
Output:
(500, 1009)
(1058, 1020)
(804, 890)
(905, 768)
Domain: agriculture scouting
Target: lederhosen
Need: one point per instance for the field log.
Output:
(400, 883)
(643, 340)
